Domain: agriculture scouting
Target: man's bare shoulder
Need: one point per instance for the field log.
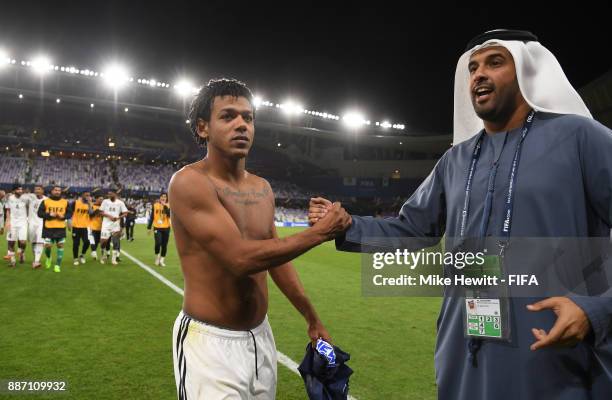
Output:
(263, 187)
(260, 182)
(191, 184)
(188, 176)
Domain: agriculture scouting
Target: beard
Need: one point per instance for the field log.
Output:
(499, 111)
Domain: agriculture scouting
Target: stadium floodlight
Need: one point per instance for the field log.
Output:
(385, 124)
(354, 119)
(41, 65)
(115, 76)
(92, 105)
(58, 100)
(126, 109)
(152, 83)
(291, 107)
(20, 96)
(4, 59)
(257, 101)
(184, 88)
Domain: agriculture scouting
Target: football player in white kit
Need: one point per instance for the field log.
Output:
(2, 195)
(35, 223)
(112, 210)
(3, 199)
(16, 224)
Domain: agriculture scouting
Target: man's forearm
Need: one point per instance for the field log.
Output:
(259, 255)
(287, 280)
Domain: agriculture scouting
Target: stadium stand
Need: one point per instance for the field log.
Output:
(88, 141)
(12, 169)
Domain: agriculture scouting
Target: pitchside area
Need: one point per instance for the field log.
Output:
(106, 330)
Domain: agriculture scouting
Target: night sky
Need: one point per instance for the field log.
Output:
(389, 62)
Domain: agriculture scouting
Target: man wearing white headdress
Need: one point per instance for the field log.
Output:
(528, 161)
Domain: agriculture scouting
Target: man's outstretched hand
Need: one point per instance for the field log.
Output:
(334, 222)
(571, 327)
(317, 209)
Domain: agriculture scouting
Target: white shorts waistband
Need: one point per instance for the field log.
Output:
(209, 329)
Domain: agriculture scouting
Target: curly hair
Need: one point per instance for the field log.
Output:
(202, 104)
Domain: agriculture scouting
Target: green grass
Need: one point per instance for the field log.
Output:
(107, 330)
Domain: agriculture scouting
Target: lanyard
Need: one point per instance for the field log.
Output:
(509, 203)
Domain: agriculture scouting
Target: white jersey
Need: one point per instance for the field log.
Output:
(18, 210)
(33, 204)
(2, 212)
(113, 208)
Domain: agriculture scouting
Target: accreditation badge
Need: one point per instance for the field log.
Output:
(486, 313)
(483, 317)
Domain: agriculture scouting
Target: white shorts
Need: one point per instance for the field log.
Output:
(17, 233)
(35, 233)
(109, 229)
(216, 363)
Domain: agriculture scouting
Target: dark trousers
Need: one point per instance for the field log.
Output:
(96, 236)
(161, 240)
(129, 228)
(78, 235)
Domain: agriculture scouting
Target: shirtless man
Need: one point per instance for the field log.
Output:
(223, 221)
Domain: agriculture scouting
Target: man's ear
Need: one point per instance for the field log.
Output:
(202, 128)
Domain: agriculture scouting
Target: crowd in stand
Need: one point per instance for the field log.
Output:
(12, 169)
(68, 172)
(144, 179)
(150, 177)
(282, 214)
(99, 172)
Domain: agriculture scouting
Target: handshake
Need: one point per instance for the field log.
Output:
(327, 217)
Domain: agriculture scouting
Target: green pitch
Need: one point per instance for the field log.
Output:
(106, 330)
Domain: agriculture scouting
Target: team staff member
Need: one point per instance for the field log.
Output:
(159, 219)
(95, 225)
(130, 222)
(80, 222)
(54, 211)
